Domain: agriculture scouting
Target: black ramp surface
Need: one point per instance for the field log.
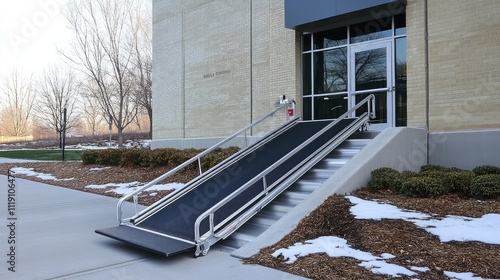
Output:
(153, 242)
(177, 219)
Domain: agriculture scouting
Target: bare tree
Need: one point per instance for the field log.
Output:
(93, 114)
(102, 33)
(18, 104)
(142, 59)
(57, 92)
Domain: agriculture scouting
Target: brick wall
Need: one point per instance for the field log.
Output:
(464, 64)
(219, 64)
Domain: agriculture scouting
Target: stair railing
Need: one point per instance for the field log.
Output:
(203, 242)
(284, 104)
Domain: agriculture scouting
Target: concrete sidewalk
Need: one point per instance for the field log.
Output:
(54, 239)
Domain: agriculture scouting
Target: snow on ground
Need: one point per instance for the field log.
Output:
(485, 229)
(452, 228)
(338, 247)
(30, 172)
(144, 143)
(127, 188)
(99, 168)
(118, 188)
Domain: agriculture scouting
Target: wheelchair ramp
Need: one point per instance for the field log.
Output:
(218, 202)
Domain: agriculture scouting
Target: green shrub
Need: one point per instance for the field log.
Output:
(89, 156)
(385, 178)
(408, 174)
(486, 169)
(168, 157)
(131, 157)
(425, 186)
(216, 156)
(433, 168)
(486, 186)
(460, 181)
(159, 157)
(109, 157)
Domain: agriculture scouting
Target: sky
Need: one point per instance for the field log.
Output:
(29, 33)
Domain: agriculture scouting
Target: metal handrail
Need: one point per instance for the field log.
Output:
(283, 104)
(369, 101)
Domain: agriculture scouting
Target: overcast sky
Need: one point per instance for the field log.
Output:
(29, 32)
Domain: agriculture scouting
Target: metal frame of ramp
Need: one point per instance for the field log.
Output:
(223, 199)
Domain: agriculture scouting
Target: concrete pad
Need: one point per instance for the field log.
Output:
(55, 239)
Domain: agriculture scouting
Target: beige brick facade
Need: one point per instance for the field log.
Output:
(464, 64)
(218, 65)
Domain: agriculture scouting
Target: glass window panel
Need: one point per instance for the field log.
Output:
(330, 107)
(307, 108)
(400, 82)
(380, 106)
(306, 42)
(306, 74)
(371, 30)
(371, 69)
(400, 24)
(330, 38)
(330, 71)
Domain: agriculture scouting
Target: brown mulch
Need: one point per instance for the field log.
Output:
(411, 245)
(83, 176)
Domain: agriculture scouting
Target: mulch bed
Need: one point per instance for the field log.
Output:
(411, 245)
(83, 176)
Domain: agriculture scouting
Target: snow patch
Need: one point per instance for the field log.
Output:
(452, 228)
(485, 229)
(338, 247)
(31, 173)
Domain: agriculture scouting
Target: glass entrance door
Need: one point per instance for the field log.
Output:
(371, 73)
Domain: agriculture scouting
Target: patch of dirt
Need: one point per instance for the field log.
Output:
(411, 245)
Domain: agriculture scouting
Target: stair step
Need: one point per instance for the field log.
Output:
(299, 191)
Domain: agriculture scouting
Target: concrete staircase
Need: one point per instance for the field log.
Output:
(298, 191)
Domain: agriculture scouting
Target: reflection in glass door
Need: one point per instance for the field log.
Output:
(371, 73)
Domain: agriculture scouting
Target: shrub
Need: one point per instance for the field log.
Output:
(486, 169)
(109, 157)
(131, 157)
(486, 186)
(217, 156)
(433, 167)
(425, 186)
(159, 157)
(460, 181)
(385, 178)
(408, 174)
(89, 156)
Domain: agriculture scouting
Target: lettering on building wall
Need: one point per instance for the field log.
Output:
(216, 74)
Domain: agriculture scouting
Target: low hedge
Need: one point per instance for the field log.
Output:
(486, 169)
(155, 158)
(385, 178)
(434, 180)
(485, 186)
(425, 186)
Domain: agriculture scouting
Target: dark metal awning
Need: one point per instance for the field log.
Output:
(312, 16)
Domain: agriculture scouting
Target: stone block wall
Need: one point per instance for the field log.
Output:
(218, 65)
(464, 59)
